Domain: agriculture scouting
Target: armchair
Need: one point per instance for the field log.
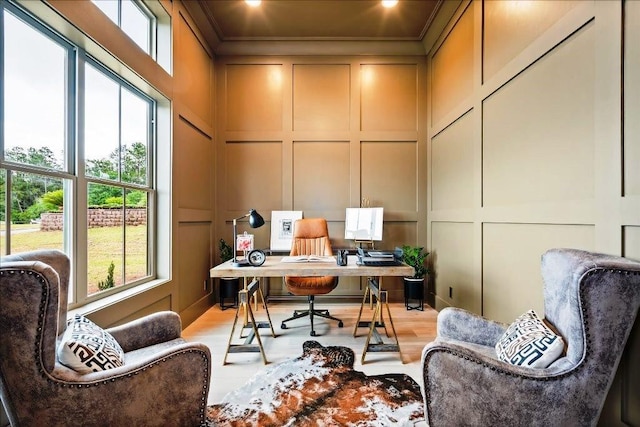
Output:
(164, 379)
(592, 301)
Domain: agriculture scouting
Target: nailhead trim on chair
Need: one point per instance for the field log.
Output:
(548, 378)
(61, 384)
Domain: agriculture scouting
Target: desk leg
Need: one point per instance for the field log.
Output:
(378, 345)
(378, 318)
(244, 297)
(364, 300)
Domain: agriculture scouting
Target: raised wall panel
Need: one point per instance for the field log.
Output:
(452, 165)
(193, 239)
(320, 175)
(631, 239)
(253, 176)
(321, 97)
(511, 26)
(452, 68)
(193, 157)
(452, 260)
(511, 254)
(389, 97)
(398, 234)
(530, 154)
(154, 307)
(254, 97)
(193, 71)
(631, 143)
(389, 183)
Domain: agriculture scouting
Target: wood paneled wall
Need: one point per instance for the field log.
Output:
(531, 146)
(193, 176)
(319, 134)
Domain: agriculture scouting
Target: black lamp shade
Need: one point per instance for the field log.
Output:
(255, 219)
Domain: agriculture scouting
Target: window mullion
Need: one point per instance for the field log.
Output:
(80, 225)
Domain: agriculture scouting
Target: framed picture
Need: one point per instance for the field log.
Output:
(244, 242)
(282, 229)
(363, 224)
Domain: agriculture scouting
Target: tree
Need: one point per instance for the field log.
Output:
(108, 282)
(102, 168)
(27, 188)
(53, 200)
(134, 170)
(134, 163)
(99, 193)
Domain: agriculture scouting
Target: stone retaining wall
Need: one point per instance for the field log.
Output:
(98, 217)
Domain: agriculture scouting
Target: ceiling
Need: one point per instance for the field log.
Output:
(229, 25)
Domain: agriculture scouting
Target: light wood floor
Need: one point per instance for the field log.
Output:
(414, 328)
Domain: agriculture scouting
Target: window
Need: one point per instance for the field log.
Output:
(133, 18)
(117, 135)
(89, 192)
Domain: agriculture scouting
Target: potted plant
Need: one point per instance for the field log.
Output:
(415, 257)
(228, 285)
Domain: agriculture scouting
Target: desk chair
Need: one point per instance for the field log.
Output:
(311, 237)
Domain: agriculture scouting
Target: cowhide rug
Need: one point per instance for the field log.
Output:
(320, 388)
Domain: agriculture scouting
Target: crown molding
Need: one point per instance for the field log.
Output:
(320, 48)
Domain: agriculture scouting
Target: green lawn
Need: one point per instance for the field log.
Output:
(105, 246)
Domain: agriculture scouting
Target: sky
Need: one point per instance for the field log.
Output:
(34, 104)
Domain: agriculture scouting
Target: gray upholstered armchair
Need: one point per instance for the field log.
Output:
(164, 380)
(591, 299)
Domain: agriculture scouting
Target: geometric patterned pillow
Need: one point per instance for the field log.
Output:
(86, 347)
(529, 342)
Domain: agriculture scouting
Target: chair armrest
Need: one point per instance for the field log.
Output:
(169, 388)
(149, 330)
(462, 325)
(464, 387)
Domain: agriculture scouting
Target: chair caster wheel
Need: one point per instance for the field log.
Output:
(313, 333)
(340, 324)
(283, 326)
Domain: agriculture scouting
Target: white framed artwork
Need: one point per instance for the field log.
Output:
(363, 224)
(282, 229)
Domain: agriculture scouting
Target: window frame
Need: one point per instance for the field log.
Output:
(151, 48)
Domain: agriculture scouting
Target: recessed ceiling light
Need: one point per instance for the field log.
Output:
(253, 3)
(389, 3)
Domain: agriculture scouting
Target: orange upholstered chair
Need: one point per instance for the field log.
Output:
(311, 237)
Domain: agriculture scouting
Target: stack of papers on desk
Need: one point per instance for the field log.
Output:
(308, 258)
(376, 258)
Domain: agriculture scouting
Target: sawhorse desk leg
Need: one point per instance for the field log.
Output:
(382, 301)
(244, 297)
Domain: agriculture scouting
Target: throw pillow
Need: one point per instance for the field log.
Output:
(529, 342)
(86, 347)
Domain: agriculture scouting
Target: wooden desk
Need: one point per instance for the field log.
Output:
(273, 267)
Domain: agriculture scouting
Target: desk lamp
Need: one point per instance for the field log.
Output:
(255, 221)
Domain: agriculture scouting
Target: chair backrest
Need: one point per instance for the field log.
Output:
(311, 237)
(32, 285)
(592, 300)
(57, 260)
